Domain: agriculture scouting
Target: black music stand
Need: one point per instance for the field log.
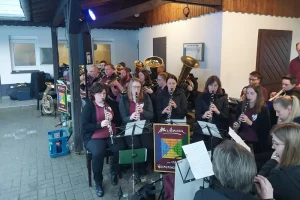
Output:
(176, 121)
(132, 129)
(210, 130)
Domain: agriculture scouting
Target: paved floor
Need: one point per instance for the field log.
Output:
(27, 171)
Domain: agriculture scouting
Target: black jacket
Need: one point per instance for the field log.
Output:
(221, 194)
(221, 102)
(162, 102)
(295, 91)
(124, 109)
(89, 119)
(285, 180)
(262, 125)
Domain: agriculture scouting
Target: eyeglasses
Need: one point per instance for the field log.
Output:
(253, 79)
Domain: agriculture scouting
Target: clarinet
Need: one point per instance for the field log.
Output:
(211, 102)
(171, 98)
(243, 112)
(111, 133)
(136, 105)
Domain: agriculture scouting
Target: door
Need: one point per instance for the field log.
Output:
(273, 57)
(103, 51)
(160, 49)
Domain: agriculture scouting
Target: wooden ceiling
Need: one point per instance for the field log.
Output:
(119, 14)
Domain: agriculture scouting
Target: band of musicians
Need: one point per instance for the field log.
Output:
(267, 121)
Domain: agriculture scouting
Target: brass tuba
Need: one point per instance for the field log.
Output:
(119, 67)
(138, 64)
(189, 63)
(153, 62)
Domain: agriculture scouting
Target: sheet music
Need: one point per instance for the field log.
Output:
(138, 129)
(213, 129)
(238, 139)
(199, 160)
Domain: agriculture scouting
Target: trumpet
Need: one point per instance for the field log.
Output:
(111, 133)
(150, 87)
(243, 112)
(211, 102)
(170, 106)
(277, 95)
(137, 105)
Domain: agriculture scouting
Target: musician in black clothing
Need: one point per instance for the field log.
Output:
(216, 108)
(288, 84)
(175, 106)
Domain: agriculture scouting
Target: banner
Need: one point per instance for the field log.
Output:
(168, 142)
(62, 102)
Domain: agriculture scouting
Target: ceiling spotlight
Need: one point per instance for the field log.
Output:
(137, 15)
(92, 15)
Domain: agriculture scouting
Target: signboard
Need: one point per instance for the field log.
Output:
(62, 103)
(168, 142)
(195, 50)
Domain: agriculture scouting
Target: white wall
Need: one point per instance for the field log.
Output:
(206, 29)
(43, 36)
(239, 45)
(124, 47)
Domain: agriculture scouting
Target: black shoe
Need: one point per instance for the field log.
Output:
(114, 179)
(99, 191)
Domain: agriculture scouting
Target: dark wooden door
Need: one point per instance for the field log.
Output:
(160, 49)
(273, 57)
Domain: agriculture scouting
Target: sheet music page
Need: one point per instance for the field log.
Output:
(138, 129)
(199, 159)
(238, 139)
(213, 129)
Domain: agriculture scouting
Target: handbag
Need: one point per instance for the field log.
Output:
(147, 192)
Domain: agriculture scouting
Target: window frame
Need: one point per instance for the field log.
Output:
(105, 41)
(15, 68)
(63, 41)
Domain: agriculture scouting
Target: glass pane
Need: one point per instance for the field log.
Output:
(102, 52)
(24, 54)
(63, 54)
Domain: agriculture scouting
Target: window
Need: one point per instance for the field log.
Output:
(63, 53)
(23, 53)
(102, 52)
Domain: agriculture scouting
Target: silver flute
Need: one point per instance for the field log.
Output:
(243, 112)
(111, 133)
(170, 106)
(137, 105)
(211, 102)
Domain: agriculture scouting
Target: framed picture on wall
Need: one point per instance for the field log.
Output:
(195, 50)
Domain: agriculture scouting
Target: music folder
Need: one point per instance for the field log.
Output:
(209, 129)
(127, 156)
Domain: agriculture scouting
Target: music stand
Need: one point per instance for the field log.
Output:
(132, 129)
(176, 121)
(210, 130)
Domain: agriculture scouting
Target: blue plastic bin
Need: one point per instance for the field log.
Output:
(58, 144)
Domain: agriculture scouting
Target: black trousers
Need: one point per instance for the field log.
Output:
(144, 140)
(98, 149)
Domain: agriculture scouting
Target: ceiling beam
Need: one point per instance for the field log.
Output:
(23, 23)
(95, 3)
(122, 14)
(58, 17)
(199, 2)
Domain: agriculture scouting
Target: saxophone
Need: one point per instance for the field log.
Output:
(243, 112)
(111, 133)
(171, 98)
(211, 102)
(137, 105)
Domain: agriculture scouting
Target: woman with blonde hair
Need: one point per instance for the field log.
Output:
(283, 169)
(287, 109)
(134, 106)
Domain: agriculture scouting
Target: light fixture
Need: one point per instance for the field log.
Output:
(92, 15)
(137, 15)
